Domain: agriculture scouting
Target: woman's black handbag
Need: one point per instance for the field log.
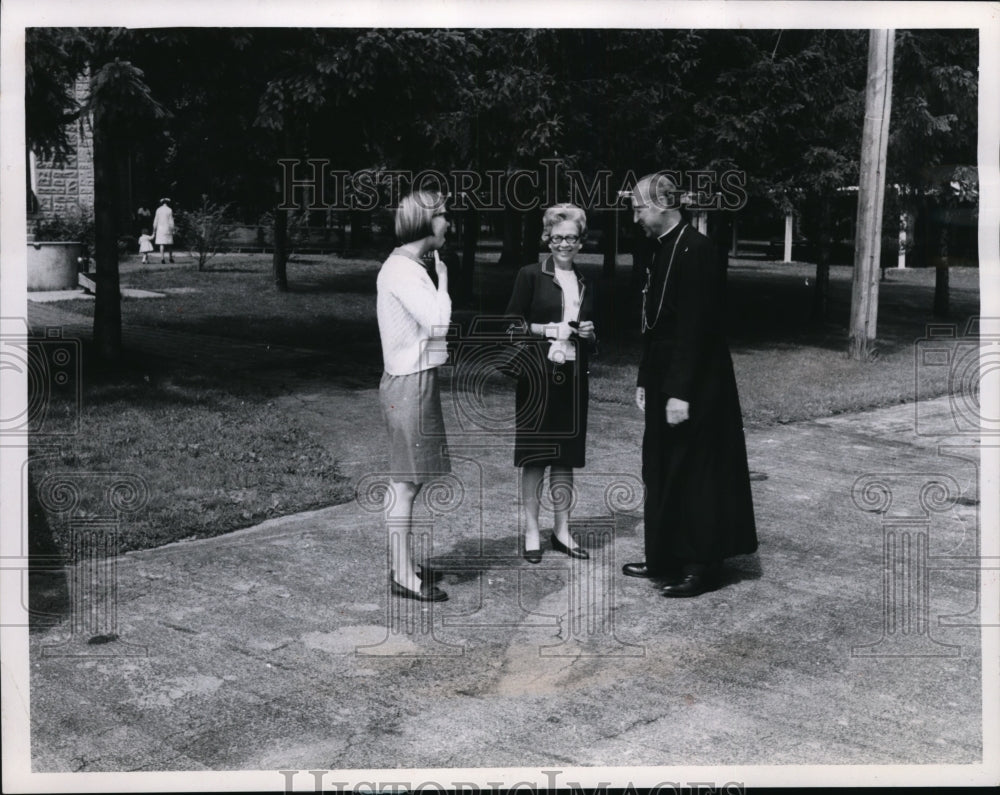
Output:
(518, 355)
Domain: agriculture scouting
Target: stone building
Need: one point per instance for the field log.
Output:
(66, 188)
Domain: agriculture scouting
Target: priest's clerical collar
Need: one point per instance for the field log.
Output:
(661, 238)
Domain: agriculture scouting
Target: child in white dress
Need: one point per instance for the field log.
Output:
(145, 246)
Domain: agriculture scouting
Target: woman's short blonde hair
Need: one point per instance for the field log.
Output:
(563, 212)
(415, 215)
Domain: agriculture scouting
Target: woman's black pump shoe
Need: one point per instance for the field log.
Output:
(427, 592)
(576, 552)
(427, 574)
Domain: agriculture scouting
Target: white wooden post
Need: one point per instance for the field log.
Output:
(903, 232)
(788, 237)
(735, 245)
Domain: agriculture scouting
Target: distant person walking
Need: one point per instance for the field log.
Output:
(163, 229)
(413, 317)
(699, 507)
(145, 246)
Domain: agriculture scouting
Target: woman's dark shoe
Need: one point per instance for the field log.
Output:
(532, 555)
(427, 574)
(576, 552)
(427, 592)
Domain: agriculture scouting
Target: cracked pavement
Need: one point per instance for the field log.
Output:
(279, 646)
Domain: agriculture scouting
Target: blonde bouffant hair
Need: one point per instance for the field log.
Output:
(563, 212)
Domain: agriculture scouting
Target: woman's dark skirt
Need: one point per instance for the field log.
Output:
(551, 416)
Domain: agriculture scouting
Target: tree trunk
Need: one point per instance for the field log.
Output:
(941, 273)
(532, 236)
(608, 294)
(511, 254)
(821, 290)
(107, 302)
(279, 259)
(871, 194)
(470, 241)
(360, 229)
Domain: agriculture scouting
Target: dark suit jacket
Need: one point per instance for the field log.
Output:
(538, 298)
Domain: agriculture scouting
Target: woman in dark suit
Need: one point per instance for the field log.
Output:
(553, 304)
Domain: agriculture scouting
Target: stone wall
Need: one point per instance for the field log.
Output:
(64, 188)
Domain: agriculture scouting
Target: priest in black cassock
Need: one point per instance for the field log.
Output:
(699, 508)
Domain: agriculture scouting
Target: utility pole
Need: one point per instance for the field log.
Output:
(871, 194)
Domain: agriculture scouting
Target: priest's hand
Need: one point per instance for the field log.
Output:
(677, 411)
(640, 398)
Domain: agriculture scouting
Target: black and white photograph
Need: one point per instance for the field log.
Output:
(465, 396)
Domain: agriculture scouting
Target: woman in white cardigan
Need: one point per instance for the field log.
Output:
(413, 318)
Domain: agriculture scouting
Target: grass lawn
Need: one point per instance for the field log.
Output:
(216, 456)
(213, 458)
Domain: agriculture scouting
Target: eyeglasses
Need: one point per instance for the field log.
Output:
(556, 240)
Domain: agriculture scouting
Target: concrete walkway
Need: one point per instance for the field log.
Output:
(849, 638)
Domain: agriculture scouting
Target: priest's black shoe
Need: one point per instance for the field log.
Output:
(637, 570)
(692, 582)
(575, 552)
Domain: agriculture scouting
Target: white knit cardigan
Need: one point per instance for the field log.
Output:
(413, 317)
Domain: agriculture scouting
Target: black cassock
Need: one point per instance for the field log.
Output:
(698, 502)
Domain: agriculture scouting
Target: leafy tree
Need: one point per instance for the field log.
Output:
(117, 103)
(354, 94)
(933, 138)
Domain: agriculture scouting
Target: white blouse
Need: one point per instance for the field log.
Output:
(571, 311)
